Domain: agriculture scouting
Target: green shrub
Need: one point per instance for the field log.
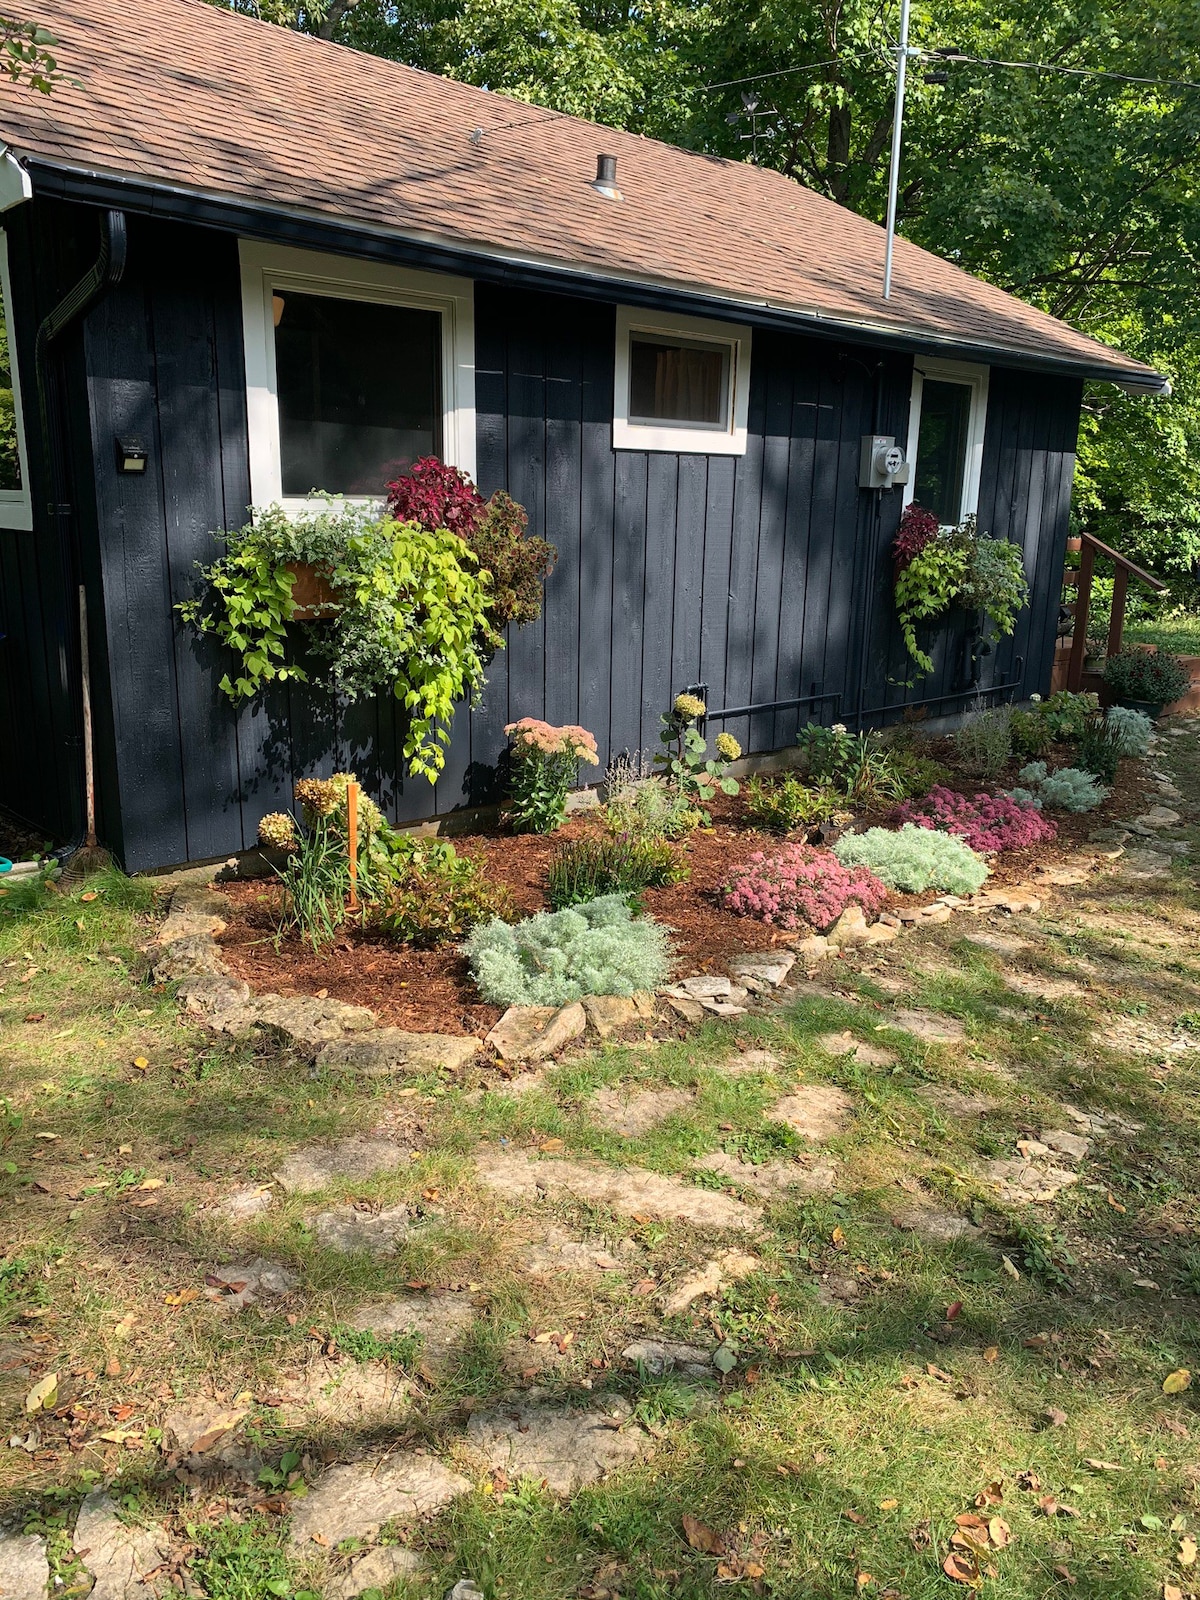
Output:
(914, 859)
(1132, 730)
(1098, 748)
(1065, 714)
(1068, 788)
(784, 803)
(435, 896)
(625, 863)
(1029, 733)
(984, 742)
(859, 766)
(651, 808)
(914, 774)
(1138, 675)
(559, 956)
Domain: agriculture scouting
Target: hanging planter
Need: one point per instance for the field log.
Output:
(1074, 544)
(938, 567)
(314, 598)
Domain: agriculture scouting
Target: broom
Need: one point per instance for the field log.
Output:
(90, 857)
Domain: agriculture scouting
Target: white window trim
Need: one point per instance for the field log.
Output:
(976, 379)
(729, 440)
(16, 505)
(267, 269)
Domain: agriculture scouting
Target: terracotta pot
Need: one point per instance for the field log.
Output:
(1074, 544)
(313, 597)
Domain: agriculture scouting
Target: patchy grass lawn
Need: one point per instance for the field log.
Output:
(1180, 635)
(883, 1380)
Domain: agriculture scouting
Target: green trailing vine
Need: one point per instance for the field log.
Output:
(938, 567)
(410, 613)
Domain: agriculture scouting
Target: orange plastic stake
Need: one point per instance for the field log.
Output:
(352, 831)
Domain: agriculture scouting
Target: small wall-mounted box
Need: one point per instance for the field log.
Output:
(881, 462)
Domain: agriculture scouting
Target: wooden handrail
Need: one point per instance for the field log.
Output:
(1090, 548)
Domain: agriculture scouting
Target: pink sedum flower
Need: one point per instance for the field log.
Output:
(800, 886)
(984, 821)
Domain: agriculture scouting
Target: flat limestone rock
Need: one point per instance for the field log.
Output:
(189, 958)
(729, 1266)
(348, 1231)
(1022, 1182)
(200, 1425)
(531, 1033)
(391, 1052)
(565, 1448)
(610, 1013)
(213, 999)
(557, 1252)
(816, 1111)
(241, 1204)
(24, 1570)
(773, 1178)
(930, 1222)
(118, 1557)
(355, 1500)
(762, 970)
(631, 1115)
(954, 1102)
(377, 1569)
(305, 1020)
(668, 1355)
(628, 1190)
(238, 1287)
(195, 912)
(1067, 1143)
(929, 1026)
(845, 1044)
(348, 1392)
(441, 1321)
(1144, 864)
(1003, 944)
(315, 1167)
(1158, 817)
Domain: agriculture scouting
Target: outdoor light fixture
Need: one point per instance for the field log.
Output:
(131, 455)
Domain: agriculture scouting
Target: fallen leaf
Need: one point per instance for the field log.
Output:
(724, 1359)
(920, 1537)
(36, 1016)
(548, 1145)
(1187, 1552)
(1037, 1341)
(44, 1394)
(1063, 1575)
(863, 1580)
(992, 1494)
(1010, 1268)
(140, 1063)
(888, 1505)
(91, 894)
(701, 1537)
(999, 1532)
(47, 1136)
(991, 1352)
(837, 1236)
(962, 1567)
(1177, 1382)
(938, 1373)
(854, 1516)
(182, 1297)
(1115, 1204)
(953, 1310)
(1172, 1591)
(1101, 1466)
(1028, 1480)
(1050, 1506)
(152, 1183)
(1055, 1417)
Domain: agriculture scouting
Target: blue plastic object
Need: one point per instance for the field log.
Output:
(5, 864)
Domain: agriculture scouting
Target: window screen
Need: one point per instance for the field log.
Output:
(678, 381)
(942, 447)
(359, 388)
(10, 454)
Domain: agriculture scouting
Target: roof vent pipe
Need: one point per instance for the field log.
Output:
(606, 178)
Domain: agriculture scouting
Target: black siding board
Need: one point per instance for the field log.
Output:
(686, 607)
(778, 377)
(597, 523)
(718, 553)
(660, 681)
(629, 587)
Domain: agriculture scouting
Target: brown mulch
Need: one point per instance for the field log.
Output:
(430, 991)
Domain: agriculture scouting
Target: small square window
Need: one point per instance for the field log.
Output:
(359, 391)
(681, 384)
(681, 381)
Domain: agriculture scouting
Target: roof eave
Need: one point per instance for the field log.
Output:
(152, 197)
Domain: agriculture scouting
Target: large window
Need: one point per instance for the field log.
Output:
(945, 437)
(681, 384)
(15, 502)
(353, 371)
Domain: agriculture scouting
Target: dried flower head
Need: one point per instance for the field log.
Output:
(320, 797)
(689, 707)
(277, 830)
(370, 817)
(727, 747)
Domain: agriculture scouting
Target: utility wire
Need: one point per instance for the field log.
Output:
(783, 72)
(954, 57)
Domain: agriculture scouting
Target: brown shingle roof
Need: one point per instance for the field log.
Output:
(179, 93)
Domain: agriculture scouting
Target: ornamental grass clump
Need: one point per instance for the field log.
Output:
(560, 956)
(914, 859)
(983, 743)
(545, 761)
(798, 886)
(985, 822)
(624, 863)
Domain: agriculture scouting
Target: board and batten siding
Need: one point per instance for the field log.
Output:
(764, 577)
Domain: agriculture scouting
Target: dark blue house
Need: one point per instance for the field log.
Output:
(671, 360)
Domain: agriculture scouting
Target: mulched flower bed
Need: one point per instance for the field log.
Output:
(430, 991)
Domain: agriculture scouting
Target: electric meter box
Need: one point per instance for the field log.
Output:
(881, 463)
